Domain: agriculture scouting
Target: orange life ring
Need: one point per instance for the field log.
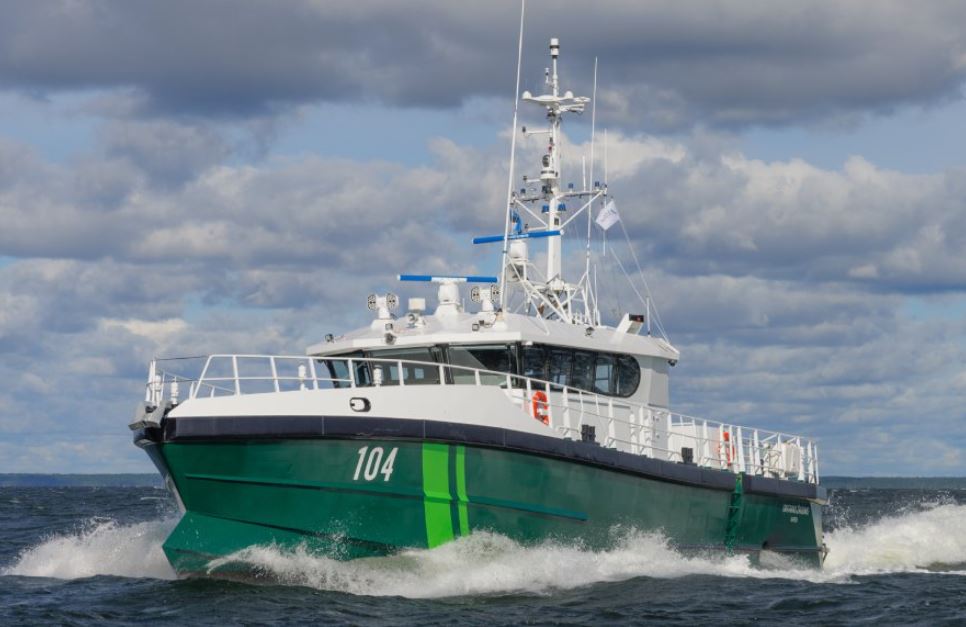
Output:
(539, 407)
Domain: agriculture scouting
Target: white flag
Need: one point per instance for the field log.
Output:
(608, 216)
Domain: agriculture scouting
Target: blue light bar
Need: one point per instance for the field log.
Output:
(439, 278)
(489, 239)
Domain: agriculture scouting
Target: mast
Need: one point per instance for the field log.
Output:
(554, 296)
(540, 211)
(550, 173)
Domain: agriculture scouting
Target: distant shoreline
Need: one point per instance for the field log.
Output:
(99, 480)
(107, 480)
(894, 483)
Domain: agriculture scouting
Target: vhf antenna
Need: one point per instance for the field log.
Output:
(513, 152)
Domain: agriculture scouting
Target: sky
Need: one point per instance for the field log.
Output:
(183, 178)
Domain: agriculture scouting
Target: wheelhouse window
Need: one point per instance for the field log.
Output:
(411, 374)
(605, 374)
(583, 373)
(629, 375)
(561, 362)
(535, 362)
(497, 357)
(337, 370)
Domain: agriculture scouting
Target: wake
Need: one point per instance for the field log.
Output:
(932, 540)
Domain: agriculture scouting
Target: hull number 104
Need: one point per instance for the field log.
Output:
(371, 463)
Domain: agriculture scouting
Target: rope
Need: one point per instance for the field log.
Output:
(647, 288)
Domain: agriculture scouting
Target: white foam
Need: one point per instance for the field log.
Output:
(486, 563)
(103, 547)
(934, 539)
(483, 563)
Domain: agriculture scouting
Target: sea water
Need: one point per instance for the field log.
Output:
(93, 555)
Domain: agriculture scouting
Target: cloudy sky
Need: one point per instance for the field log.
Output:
(189, 177)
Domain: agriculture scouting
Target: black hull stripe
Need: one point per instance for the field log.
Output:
(255, 428)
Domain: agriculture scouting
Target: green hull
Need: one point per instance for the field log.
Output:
(341, 498)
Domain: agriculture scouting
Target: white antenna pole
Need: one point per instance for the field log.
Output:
(605, 183)
(605, 158)
(647, 303)
(596, 299)
(590, 208)
(583, 171)
(593, 130)
(513, 152)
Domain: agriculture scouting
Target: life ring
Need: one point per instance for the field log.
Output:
(539, 407)
(728, 448)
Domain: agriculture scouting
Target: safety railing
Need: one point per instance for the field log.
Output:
(574, 413)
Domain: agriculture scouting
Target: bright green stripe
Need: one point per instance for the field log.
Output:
(439, 525)
(461, 490)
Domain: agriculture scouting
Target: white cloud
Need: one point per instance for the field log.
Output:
(782, 283)
(155, 330)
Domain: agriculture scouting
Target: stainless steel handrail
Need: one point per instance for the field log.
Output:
(714, 444)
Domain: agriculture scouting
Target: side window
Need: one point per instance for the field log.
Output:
(535, 362)
(583, 374)
(605, 371)
(560, 360)
(630, 375)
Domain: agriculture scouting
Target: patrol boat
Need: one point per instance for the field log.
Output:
(526, 416)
